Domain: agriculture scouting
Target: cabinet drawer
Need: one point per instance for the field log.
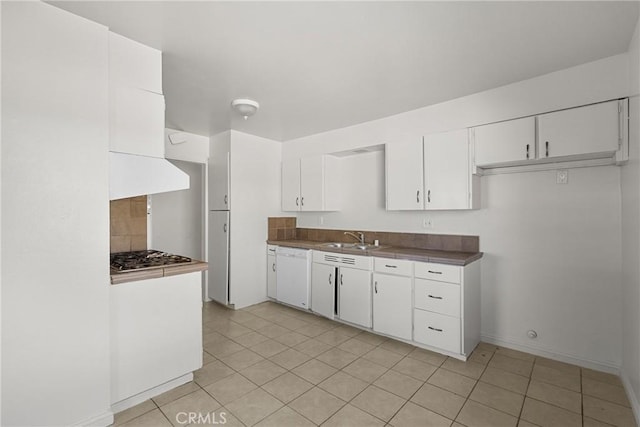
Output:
(439, 297)
(393, 266)
(437, 330)
(439, 272)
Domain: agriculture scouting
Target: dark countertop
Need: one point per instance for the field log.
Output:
(118, 277)
(412, 254)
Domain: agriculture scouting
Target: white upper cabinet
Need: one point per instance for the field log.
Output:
(585, 130)
(312, 176)
(133, 64)
(219, 172)
(136, 122)
(311, 184)
(447, 172)
(432, 175)
(136, 104)
(505, 142)
(404, 175)
(291, 185)
(597, 131)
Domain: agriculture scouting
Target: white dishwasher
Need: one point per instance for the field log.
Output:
(293, 276)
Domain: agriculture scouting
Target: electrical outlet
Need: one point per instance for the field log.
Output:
(562, 177)
(427, 222)
(321, 220)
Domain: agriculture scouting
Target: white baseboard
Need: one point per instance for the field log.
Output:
(146, 395)
(551, 354)
(633, 399)
(102, 420)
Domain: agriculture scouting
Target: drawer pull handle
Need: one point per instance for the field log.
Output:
(330, 281)
(273, 266)
(375, 286)
(391, 266)
(435, 272)
(341, 281)
(435, 329)
(434, 297)
(297, 201)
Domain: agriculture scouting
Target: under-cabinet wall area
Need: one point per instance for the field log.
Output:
(552, 251)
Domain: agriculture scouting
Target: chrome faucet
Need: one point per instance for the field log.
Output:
(357, 235)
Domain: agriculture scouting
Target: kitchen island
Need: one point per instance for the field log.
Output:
(156, 330)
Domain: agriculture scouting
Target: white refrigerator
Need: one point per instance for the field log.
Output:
(218, 277)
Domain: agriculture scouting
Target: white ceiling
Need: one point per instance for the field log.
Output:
(316, 66)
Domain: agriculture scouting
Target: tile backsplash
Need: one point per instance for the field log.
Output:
(282, 228)
(128, 224)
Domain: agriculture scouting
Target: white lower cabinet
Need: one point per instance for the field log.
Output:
(354, 289)
(437, 330)
(443, 298)
(392, 285)
(446, 311)
(323, 289)
(437, 306)
(271, 272)
(392, 305)
(345, 279)
(156, 332)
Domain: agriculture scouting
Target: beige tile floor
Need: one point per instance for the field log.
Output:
(270, 365)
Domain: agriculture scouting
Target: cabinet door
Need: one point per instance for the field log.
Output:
(312, 183)
(219, 198)
(323, 279)
(446, 170)
(505, 142)
(584, 130)
(271, 277)
(218, 272)
(291, 185)
(404, 175)
(392, 305)
(354, 290)
(137, 122)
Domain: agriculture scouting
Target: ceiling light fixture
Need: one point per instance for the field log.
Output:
(246, 107)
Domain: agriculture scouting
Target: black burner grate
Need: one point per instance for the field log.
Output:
(125, 261)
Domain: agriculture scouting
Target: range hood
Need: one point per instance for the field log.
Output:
(131, 175)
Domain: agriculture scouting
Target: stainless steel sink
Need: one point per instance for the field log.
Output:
(338, 245)
(365, 247)
(358, 246)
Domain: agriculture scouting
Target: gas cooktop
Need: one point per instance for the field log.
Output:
(138, 260)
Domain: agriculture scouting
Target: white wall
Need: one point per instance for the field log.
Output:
(630, 176)
(176, 219)
(255, 195)
(552, 252)
(55, 218)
